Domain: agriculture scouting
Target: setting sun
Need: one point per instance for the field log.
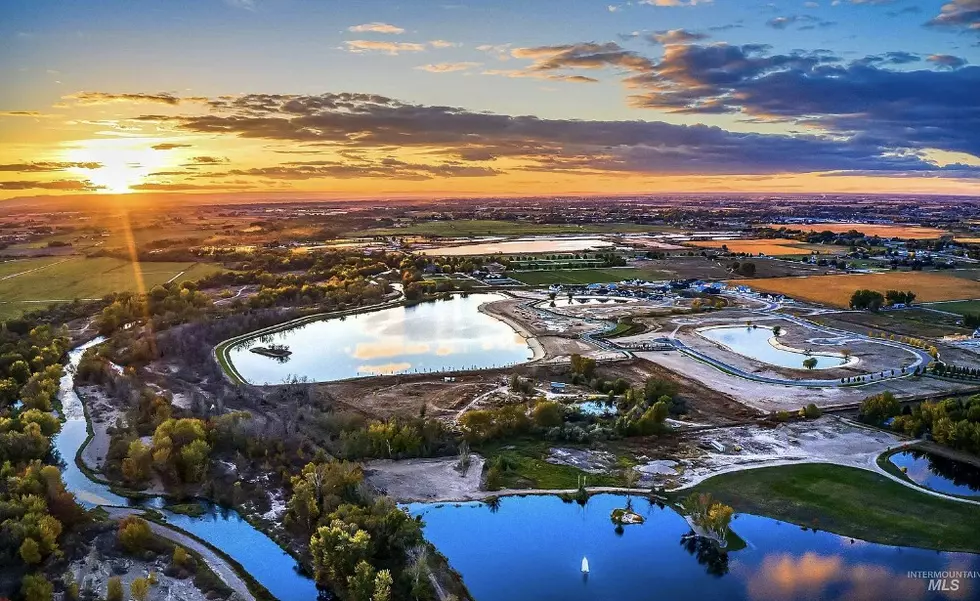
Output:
(123, 163)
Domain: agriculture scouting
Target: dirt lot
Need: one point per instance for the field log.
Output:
(704, 404)
(425, 479)
(390, 396)
(827, 440)
(914, 323)
(836, 290)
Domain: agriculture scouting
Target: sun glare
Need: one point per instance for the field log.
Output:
(124, 164)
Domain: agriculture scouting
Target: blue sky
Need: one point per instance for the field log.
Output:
(480, 55)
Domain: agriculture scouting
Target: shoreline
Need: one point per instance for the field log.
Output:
(532, 341)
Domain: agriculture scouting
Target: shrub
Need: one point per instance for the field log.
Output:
(134, 533)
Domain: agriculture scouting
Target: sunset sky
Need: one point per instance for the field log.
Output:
(477, 97)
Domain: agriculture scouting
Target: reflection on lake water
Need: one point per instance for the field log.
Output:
(939, 473)
(520, 246)
(754, 343)
(531, 548)
(443, 335)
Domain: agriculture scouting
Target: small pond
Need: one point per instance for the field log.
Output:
(599, 408)
(521, 246)
(939, 473)
(443, 335)
(755, 344)
(531, 548)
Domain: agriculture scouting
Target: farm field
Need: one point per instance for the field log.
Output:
(78, 277)
(11, 269)
(908, 232)
(961, 307)
(476, 227)
(588, 276)
(836, 290)
(769, 247)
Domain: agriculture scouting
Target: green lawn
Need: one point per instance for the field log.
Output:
(526, 466)
(589, 276)
(961, 307)
(78, 277)
(476, 227)
(850, 502)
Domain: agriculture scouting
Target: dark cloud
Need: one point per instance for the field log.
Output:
(208, 160)
(902, 109)
(960, 14)
(169, 146)
(347, 124)
(67, 185)
(890, 58)
(46, 166)
(389, 168)
(157, 187)
(106, 97)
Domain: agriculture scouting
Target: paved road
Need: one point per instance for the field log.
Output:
(217, 564)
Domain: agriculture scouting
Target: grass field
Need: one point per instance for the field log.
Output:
(836, 290)
(850, 502)
(961, 307)
(11, 269)
(476, 227)
(78, 277)
(588, 276)
(908, 232)
(967, 240)
(775, 248)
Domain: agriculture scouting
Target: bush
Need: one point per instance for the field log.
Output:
(114, 592)
(35, 587)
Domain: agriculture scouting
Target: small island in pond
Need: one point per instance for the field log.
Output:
(276, 351)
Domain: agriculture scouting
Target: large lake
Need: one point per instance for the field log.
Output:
(521, 246)
(444, 335)
(531, 549)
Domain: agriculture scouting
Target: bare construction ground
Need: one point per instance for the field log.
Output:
(825, 440)
(402, 396)
(425, 479)
(772, 397)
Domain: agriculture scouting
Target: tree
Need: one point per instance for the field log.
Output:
(876, 409)
(810, 363)
(583, 366)
(776, 330)
(114, 590)
(547, 414)
(139, 589)
(134, 533)
(360, 585)
(35, 587)
(337, 549)
(870, 300)
(30, 551)
(382, 586)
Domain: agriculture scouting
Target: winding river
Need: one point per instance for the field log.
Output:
(222, 528)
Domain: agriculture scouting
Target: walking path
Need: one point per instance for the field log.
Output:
(218, 565)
